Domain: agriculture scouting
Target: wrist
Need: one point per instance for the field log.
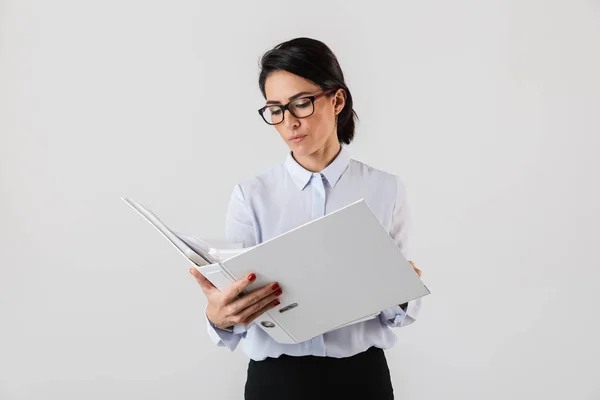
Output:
(227, 329)
(215, 326)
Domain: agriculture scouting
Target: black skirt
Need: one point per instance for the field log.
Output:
(362, 376)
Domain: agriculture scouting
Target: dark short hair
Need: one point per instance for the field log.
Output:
(312, 60)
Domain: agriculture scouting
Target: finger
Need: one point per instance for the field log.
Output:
(236, 288)
(252, 298)
(417, 270)
(269, 306)
(245, 313)
(204, 283)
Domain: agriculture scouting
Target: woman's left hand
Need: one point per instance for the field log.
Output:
(417, 270)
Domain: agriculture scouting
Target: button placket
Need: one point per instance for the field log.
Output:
(318, 210)
(318, 196)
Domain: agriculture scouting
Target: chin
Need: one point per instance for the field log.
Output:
(301, 150)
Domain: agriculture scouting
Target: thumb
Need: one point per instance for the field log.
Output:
(204, 283)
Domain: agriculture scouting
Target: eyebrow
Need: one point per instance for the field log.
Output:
(294, 97)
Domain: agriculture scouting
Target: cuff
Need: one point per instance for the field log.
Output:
(225, 337)
(392, 316)
(399, 317)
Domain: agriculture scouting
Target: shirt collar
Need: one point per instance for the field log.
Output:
(332, 172)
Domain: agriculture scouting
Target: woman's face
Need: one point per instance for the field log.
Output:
(304, 136)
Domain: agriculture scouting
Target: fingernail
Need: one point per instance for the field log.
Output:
(251, 277)
(190, 270)
(275, 286)
(278, 293)
(277, 303)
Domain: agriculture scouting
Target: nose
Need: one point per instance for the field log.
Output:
(290, 121)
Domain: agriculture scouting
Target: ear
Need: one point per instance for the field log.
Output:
(339, 101)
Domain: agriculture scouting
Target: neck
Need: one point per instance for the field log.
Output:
(320, 159)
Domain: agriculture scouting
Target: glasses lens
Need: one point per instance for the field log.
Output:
(273, 115)
(301, 108)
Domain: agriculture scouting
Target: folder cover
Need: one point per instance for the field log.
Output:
(339, 269)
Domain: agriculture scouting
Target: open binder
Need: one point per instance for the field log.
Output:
(337, 270)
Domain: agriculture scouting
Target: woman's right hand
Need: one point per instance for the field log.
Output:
(227, 308)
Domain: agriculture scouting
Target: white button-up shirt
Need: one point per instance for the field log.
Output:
(287, 196)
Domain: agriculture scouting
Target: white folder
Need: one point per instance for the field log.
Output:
(334, 271)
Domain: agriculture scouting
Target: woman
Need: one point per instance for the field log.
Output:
(309, 104)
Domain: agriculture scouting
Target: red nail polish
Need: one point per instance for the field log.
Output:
(275, 286)
(277, 303)
(278, 293)
(251, 277)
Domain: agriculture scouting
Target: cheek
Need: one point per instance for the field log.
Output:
(321, 124)
(280, 130)
(326, 115)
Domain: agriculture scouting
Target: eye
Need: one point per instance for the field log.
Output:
(274, 110)
(302, 103)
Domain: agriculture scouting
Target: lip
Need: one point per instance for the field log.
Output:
(297, 139)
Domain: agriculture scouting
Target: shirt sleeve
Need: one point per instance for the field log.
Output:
(239, 229)
(229, 338)
(239, 226)
(401, 233)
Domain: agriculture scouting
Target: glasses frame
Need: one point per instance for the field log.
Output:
(287, 106)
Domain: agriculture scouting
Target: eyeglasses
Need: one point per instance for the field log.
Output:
(299, 108)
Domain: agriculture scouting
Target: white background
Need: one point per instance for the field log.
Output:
(489, 111)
